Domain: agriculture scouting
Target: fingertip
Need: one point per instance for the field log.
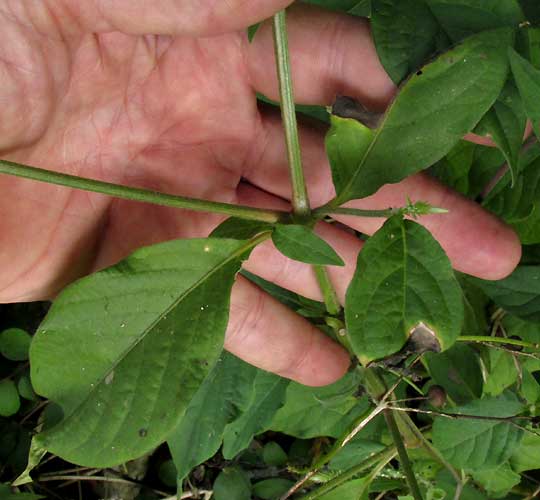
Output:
(501, 256)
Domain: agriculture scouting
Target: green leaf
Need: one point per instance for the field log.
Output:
(9, 398)
(266, 398)
(486, 163)
(26, 391)
(458, 371)
(222, 398)
(302, 305)
(519, 205)
(240, 229)
(404, 272)
(14, 344)
(527, 79)
(346, 143)
(505, 123)
(530, 389)
(453, 169)
(35, 454)
(301, 243)
(320, 411)
(232, 482)
(347, 491)
(353, 453)
(6, 494)
(274, 455)
(462, 18)
(405, 34)
(527, 455)
(502, 372)
(497, 481)
(479, 444)
(272, 489)
(168, 474)
(447, 483)
(460, 85)
(123, 351)
(518, 294)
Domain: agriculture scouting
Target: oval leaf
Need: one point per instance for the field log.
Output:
(404, 272)
(123, 351)
(301, 243)
(435, 108)
(476, 444)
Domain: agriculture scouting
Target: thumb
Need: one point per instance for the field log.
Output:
(167, 17)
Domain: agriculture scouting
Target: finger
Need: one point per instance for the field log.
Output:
(166, 17)
(331, 54)
(267, 334)
(476, 242)
(268, 263)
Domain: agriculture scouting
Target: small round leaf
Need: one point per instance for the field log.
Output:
(14, 344)
(9, 398)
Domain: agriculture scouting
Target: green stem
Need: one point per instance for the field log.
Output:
(300, 199)
(403, 456)
(497, 340)
(329, 210)
(137, 194)
(383, 456)
(329, 293)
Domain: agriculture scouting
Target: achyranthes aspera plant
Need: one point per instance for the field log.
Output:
(131, 356)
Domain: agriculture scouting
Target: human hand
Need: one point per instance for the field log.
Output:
(163, 97)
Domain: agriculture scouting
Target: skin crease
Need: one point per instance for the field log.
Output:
(162, 96)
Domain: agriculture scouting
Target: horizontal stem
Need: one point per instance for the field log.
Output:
(327, 210)
(138, 194)
(497, 340)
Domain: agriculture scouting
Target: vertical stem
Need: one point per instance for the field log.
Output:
(329, 293)
(403, 456)
(300, 199)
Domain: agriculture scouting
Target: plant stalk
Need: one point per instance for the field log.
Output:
(358, 212)
(403, 456)
(300, 200)
(496, 340)
(329, 293)
(138, 194)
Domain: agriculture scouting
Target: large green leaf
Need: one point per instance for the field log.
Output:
(432, 112)
(221, 399)
(301, 243)
(478, 444)
(403, 283)
(461, 18)
(311, 412)
(267, 396)
(453, 169)
(518, 294)
(528, 82)
(405, 34)
(123, 351)
(458, 371)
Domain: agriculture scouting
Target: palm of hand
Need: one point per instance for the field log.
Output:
(179, 115)
(176, 115)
